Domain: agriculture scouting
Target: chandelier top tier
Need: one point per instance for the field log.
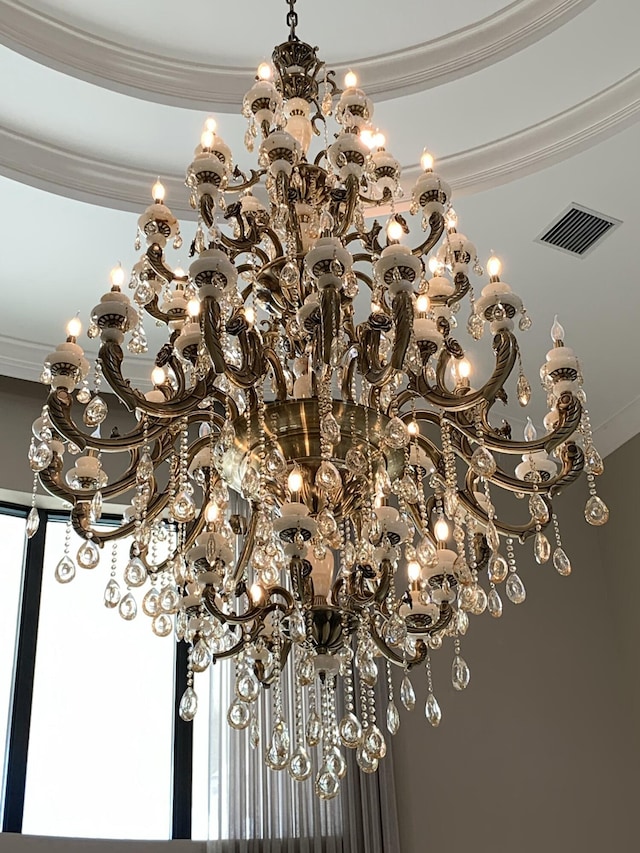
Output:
(311, 479)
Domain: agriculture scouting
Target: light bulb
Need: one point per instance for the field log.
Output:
(256, 592)
(379, 140)
(193, 307)
(494, 266)
(350, 80)
(250, 314)
(158, 376)
(294, 480)
(451, 219)
(422, 303)
(117, 276)
(264, 71)
(157, 192)
(74, 327)
(376, 308)
(206, 139)
(435, 267)
(211, 124)
(441, 530)
(413, 570)
(464, 368)
(394, 229)
(530, 432)
(557, 331)
(211, 513)
(368, 137)
(426, 161)
(178, 273)
(413, 428)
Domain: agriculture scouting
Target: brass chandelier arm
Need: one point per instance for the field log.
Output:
(436, 227)
(155, 256)
(330, 316)
(519, 531)
(403, 320)
(210, 330)
(369, 364)
(253, 361)
(82, 525)
(256, 612)
(278, 373)
(346, 220)
(392, 656)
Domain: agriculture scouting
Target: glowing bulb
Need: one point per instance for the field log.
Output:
(426, 161)
(379, 140)
(158, 376)
(206, 139)
(435, 267)
(413, 428)
(464, 368)
(413, 570)
(394, 230)
(117, 276)
(264, 71)
(211, 513)
(256, 592)
(193, 307)
(294, 480)
(178, 273)
(250, 314)
(451, 219)
(350, 80)
(494, 266)
(74, 327)
(557, 332)
(441, 530)
(157, 192)
(422, 303)
(530, 432)
(368, 137)
(211, 124)
(376, 308)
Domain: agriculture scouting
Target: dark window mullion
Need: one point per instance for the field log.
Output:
(182, 753)
(18, 745)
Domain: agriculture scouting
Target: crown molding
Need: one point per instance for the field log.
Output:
(180, 82)
(78, 175)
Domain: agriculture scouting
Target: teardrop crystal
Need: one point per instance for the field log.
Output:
(88, 555)
(494, 603)
(95, 412)
(151, 602)
(483, 462)
(432, 710)
(460, 674)
(162, 625)
(356, 461)
(300, 764)
(523, 390)
(112, 594)
(328, 477)
(492, 536)
(593, 462)
(407, 694)
(65, 570)
(596, 512)
(541, 548)
(327, 783)
(183, 507)
(200, 656)
(277, 753)
(393, 718)
(396, 433)
(135, 573)
(247, 687)
(128, 608)
(238, 715)
(516, 593)
(426, 553)
(538, 508)
(350, 730)
(561, 562)
(33, 522)
(498, 568)
(475, 326)
(188, 705)
(297, 627)
(329, 429)
(275, 463)
(366, 762)
(40, 456)
(314, 728)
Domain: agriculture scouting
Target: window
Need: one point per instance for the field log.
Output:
(100, 747)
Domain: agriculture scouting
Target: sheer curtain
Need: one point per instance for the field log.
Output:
(253, 808)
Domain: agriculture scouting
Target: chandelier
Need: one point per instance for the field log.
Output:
(312, 477)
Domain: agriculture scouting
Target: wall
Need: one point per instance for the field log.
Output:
(20, 404)
(538, 752)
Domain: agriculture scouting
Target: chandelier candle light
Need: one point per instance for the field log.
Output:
(310, 478)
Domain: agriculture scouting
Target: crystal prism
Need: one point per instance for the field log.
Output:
(596, 512)
(538, 508)
(396, 433)
(327, 784)
(328, 477)
(407, 694)
(40, 456)
(128, 608)
(541, 548)
(494, 603)
(183, 507)
(162, 625)
(492, 536)
(65, 570)
(188, 705)
(300, 764)
(366, 762)
(95, 412)
(498, 568)
(483, 462)
(112, 594)
(329, 429)
(593, 462)
(350, 730)
(88, 555)
(200, 656)
(135, 573)
(277, 753)
(356, 461)
(96, 506)
(460, 674)
(33, 522)
(561, 562)
(432, 710)
(314, 728)
(516, 593)
(393, 718)
(523, 390)
(238, 715)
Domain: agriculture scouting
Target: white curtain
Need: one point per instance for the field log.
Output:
(253, 809)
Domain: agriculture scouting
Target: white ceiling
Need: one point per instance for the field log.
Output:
(530, 121)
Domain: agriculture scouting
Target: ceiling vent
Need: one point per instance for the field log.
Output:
(577, 230)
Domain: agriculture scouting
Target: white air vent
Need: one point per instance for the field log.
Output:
(577, 230)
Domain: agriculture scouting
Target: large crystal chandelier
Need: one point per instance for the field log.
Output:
(312, 477)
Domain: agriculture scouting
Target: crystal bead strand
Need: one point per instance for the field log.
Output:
(299, 763)
(515, 589)
(393, 717)
(112, 592)
(431, 709)
(561, 562)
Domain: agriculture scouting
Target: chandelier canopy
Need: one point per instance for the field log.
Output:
(311, 478)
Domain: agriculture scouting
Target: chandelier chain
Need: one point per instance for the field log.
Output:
(292, 20)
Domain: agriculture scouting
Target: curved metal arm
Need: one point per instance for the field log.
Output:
(436, 227)
(403, 320)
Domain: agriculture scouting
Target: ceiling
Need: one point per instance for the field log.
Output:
(514, 100)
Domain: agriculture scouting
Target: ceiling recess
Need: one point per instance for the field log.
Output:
(577, 230)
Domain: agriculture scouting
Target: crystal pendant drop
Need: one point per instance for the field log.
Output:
(516, 593)
(188, 705)
(523, 390)
(135, 573)
(275, 463)
(162, 625)
(329, 429)
(300, 764)
(407, 694)
(366, 762)
(596, 512)
(238, 715)
(460, 674)
(151, 602)
(144, 470)
(336, 762)
(277, 754)
(326, 523)
(395, 631)
(254, 734)
(96, 506)
(183, 507)
(95, 412)
(40, 456)
(128, 608)
(396, 433)
(33, 522)
(432, 710)
(538, 508)
(328, 477)
(169, 599)
(350, 730)
(492, 536)
(65, 570)
(462, 623)
(368, 670)
(112, 594)
(561, 562)
(426, 553)
(247, 687)
(200, 656)
(494, 603)
(314, 728)
(593, 462)
(393, 718)
(327, 783)
(297, 627)
(498, 568)
(306, 671)
(483, 462)
(374, 742)
(541, 548)
(88, 555)
(355, 461)
(475, 326)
